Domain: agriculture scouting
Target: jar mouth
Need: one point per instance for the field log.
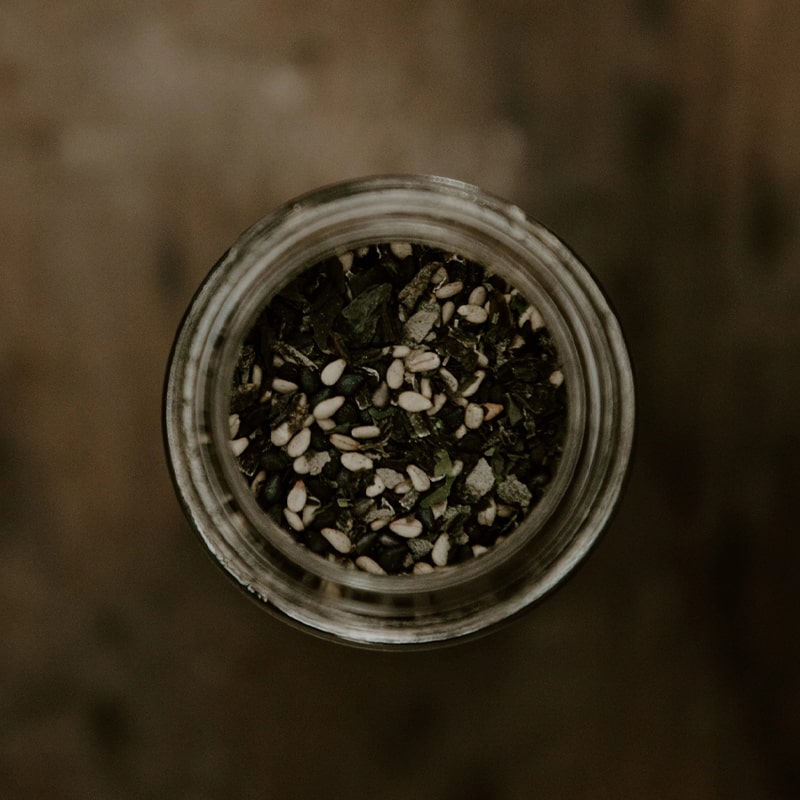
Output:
(446, 214)
(441, 577)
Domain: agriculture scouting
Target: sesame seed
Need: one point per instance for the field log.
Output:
(342, 442)
(473, 416)
(356, 462)
(477, 296)
(407, 527)
(380, 397)
(296, 499)
(413, 402)
(366, 564)
(475, 384)
(422, 361)
(293, 518)
(282, 386)
(395, 374)
(420, 481)
(401, 249)
(375, 488)
(448, 309)
(441, 550)
(327, 408)
(332, 372)
(281, 435)
(365, 432)
(299, 443)
(449, 290)
(474, 314)
(337, 539)
(238, 446)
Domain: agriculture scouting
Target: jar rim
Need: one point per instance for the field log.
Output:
(278, 247)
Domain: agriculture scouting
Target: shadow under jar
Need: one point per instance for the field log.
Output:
(332, 596)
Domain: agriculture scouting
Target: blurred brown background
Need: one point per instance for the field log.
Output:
(660, 138)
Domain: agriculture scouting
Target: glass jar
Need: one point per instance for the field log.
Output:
(451, 603)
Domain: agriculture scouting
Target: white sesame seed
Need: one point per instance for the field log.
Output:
(299, 443)
(419, 479)
(296, 499)
(460, 432)
(282, 386)
(457, 467)
(375, 488)
(479, 550)
(438, 509)
(440, 276)
(326, 424)
(356, 462)
(477, 296)
(449, 290)
(407, 527)
(327, 408)
(337, 539)
(233, 425)
(346, 260)
(483, 359)
(422, 361)
(293, 519)
(395, 374)
(342, 442)
(425, 388)
(380, 397)
(332, 372)
(277, 361)
(308, 421)
(477, 315)
(475, 384)
(448, 309)
(238, 446)
(365, 432)
(378, 524)
(366, 564)
(422, 568)
(362, 251)
(473, 416)
(281, 435)
(449, 379)
(505, 511)
(531, 314)
(309, 510)
(413, 402)
(441, 550)
(400, 351)
(486, 516)
(404, 487)
(439, 401)
(301, 465)
(401, 249)
(256, 375)
(556, 378)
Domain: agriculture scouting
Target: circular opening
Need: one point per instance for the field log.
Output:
(527, 524)
(454, 602)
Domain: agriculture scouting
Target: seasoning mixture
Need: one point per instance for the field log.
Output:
(398, 409)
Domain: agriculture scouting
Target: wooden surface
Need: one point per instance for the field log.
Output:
(137, 139)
